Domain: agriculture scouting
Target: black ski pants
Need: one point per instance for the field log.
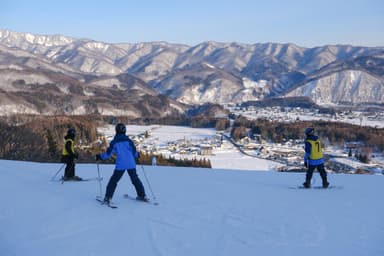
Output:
(116, 176)
(321, 170)
(69, 171)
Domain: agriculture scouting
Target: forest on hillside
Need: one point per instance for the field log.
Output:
(41, 138)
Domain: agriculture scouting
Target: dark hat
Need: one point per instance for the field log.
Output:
(120, 128)
(308, 131)
(71, 132)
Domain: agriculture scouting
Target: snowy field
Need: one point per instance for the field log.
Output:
(163, 133)
(201, 212)
(227, 157)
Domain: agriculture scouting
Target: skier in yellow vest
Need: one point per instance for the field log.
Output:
(313, 158)
(69, 155)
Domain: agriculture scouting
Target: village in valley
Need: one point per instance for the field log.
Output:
(290, 114)
(224, 152)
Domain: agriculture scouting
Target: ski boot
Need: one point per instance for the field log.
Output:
(142, 198)
(76, 178)
(106, 201)
(72, 178)
(325, 184)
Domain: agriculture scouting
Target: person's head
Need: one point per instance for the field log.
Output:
(120, 128)
(309, 131)
(71, 132)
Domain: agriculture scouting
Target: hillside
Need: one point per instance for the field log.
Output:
(201, 212)
(209, 72)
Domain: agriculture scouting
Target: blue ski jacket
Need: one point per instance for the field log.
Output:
(125, 151)
(313, 151)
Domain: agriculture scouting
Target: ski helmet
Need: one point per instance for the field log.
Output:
(120, 128)
(71, 132)
(309, 131)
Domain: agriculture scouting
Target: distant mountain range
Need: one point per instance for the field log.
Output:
(59, 74)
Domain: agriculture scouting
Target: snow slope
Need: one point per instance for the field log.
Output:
(201, 212)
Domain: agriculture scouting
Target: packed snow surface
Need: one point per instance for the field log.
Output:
(201, 212)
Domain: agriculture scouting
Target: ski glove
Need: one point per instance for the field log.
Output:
(97, 157)
(306, 164)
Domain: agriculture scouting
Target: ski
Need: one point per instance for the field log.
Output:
(137, 200)
(109, 205)
(316, 187)
(80, 180)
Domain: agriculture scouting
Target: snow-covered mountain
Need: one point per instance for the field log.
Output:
(359, 80)
(211, 71)
(40, 91)
(204, 83)
(200, 212)
(349, 86)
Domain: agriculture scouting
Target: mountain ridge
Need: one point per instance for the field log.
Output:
(209, 72)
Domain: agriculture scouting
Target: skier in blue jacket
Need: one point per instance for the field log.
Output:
(313, 158)
(125, 151)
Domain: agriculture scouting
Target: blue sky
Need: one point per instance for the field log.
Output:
(305, 23)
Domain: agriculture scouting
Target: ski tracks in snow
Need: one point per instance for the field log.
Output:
(169, 236)
(219, 232)
(234, 232)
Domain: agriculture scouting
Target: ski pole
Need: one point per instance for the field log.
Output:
(53, 178)
(150, 188)
(99, 179)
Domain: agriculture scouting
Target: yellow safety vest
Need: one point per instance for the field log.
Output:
(316, 150)
(65, 152)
